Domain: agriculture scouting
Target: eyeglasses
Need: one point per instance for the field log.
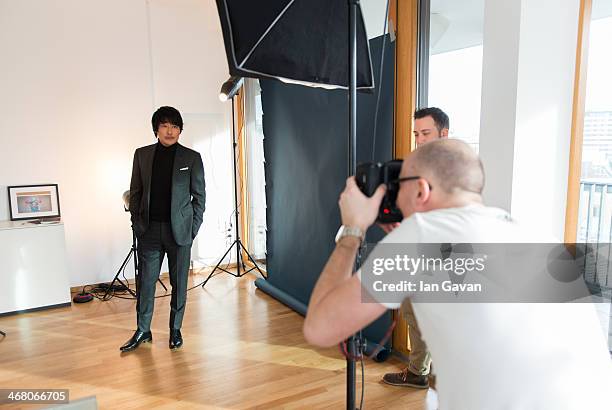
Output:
(398, 181)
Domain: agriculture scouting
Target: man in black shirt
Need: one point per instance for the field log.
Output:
(167, 199)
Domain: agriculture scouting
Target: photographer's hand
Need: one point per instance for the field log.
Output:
(388, 227)
(356, 209)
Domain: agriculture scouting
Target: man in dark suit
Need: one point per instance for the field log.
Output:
(167, 198)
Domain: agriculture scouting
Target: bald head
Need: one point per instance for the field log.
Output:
(450, 164)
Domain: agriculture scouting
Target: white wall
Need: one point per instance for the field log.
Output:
(544, 113)
(80, 80)
(528, 82)
(501, 44)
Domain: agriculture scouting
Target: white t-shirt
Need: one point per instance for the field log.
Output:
(506, 356)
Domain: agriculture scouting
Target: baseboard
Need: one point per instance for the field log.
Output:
(36, 309)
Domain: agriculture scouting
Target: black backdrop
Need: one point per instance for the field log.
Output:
(306, 154)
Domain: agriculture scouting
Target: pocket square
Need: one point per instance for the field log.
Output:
(184, 169)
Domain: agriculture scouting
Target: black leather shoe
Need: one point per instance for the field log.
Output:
(138, 338)
(176, 339)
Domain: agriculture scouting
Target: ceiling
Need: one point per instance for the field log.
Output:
(602, 9)
(455, 24)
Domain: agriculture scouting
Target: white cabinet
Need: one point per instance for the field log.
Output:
(33, 271)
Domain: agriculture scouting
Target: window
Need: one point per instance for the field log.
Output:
(595, 199)
(256, 180)
(595, 215)
(455, 65)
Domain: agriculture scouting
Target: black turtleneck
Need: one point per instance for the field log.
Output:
(161, 183)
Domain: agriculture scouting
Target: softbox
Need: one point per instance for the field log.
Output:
(300, 41)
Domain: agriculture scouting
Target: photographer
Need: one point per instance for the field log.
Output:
(489, 356)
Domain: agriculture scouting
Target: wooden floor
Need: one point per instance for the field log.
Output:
(242, 349)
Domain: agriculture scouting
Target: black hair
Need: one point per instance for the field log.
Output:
(440, 118)
(166, 114)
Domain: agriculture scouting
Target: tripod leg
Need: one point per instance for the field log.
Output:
(253, 260)
(219, 263)
(163, 285)
(136, 270)
(2, 333)
(116, 278)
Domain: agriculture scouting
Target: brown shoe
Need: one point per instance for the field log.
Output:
(407, 379)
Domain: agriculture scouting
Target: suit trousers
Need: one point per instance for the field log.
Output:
(157, 241)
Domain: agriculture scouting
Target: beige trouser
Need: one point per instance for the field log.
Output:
(420, 358)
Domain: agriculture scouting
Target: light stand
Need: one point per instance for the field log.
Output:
(133, 252)
(302, 63)
(228, 91)
(353, 345)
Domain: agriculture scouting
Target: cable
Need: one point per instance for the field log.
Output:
(362, 384)
(201, 283)
(98, 291)
(380, 78)
(361, 348)
(387, 335)
(384, 339)
(359, 355)
(360, 344)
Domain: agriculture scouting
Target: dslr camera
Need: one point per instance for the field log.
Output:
(370, 175)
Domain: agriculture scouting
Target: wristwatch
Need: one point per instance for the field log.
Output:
(349, 231)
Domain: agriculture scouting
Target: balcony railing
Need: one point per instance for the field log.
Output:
(595, 235)
(595, 231)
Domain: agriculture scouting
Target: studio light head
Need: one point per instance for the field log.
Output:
(230, 88)
(126, 200)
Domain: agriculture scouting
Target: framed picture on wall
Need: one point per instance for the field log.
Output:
(34, 201)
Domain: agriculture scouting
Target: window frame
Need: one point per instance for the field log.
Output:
(577, 130)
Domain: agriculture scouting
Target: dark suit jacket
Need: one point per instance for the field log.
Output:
(188, 192)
